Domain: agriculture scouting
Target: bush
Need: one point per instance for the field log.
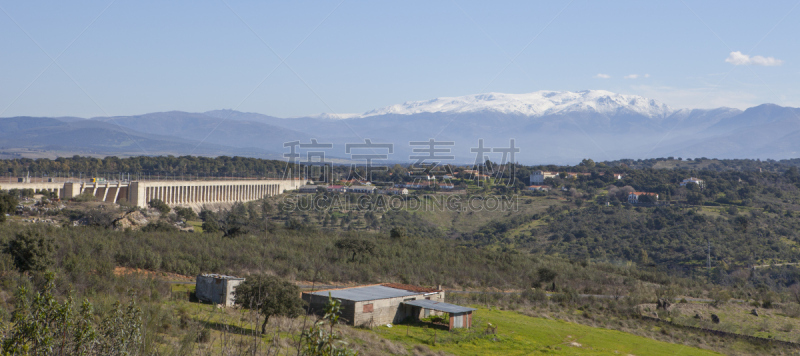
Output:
(31, 250)
(546, 275)
(159, 205)
(534, 295)
(160, 226)
(185, 213)
(101, 216)
(42, 324)
(8, 204)
(204, 336)
(84, 197)
(397, 233)
(271, 296)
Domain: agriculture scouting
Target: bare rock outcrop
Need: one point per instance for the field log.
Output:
(134, 220)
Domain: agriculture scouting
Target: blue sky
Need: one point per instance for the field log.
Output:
(352, 56)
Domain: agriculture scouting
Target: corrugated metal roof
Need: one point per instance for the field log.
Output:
(440, 306)
(359, 294)
(410, 288)
(219, 276)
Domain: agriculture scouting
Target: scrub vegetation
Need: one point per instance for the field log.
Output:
(575, 265)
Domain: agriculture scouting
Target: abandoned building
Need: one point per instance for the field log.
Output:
(390, 303)
(216, 288)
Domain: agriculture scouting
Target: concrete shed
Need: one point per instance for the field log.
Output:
(377, 304)
(460, 317)
(217, 288)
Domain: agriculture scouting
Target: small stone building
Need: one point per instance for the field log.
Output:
(386, 303)
(216, 288)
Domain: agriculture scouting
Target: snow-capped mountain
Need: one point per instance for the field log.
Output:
(337, 116)
(547, 126)
(540, 103)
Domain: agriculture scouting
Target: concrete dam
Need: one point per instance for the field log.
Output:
(187, 193)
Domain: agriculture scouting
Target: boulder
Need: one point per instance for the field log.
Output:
(137, 218)
(122, 224)
(134, 220)
(754, 312)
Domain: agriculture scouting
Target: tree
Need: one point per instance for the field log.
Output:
(8, 204)
(587, 162)
(646, 198)
(397, 233)
(356, 246)
(546, 275)
(644, 259)
(160, 226)
(185, 213)
(159, 205)
(620, 193)
(293, 224)
(210, 223)
(741, 223)
(694, 198)
(271, 295)
(266, 208)
(31, 250)
(720, 297)
(236, 221)
(794, 290)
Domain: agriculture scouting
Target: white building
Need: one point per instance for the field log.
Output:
(538, 177)
(694, 180)
(633, 198)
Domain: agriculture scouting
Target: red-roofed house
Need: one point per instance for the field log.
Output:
(633, 198)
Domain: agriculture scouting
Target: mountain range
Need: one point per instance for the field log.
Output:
(547, 126)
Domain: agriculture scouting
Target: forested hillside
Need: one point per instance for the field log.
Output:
(578, 247)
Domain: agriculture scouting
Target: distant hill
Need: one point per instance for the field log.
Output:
(548, 126)
(97, 137)
(200, 127)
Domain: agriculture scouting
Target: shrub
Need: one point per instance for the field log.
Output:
(159, 225)
(159, 205)
(42, 324)
(546, 275)
(204, 336)
(271, 295)
(185, 213)
(534, 295)
(84, 197)
(31, 250)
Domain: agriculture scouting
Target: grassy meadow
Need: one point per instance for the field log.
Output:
(519, 334)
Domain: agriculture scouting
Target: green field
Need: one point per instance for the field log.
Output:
(197, 225)
(518, 334)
